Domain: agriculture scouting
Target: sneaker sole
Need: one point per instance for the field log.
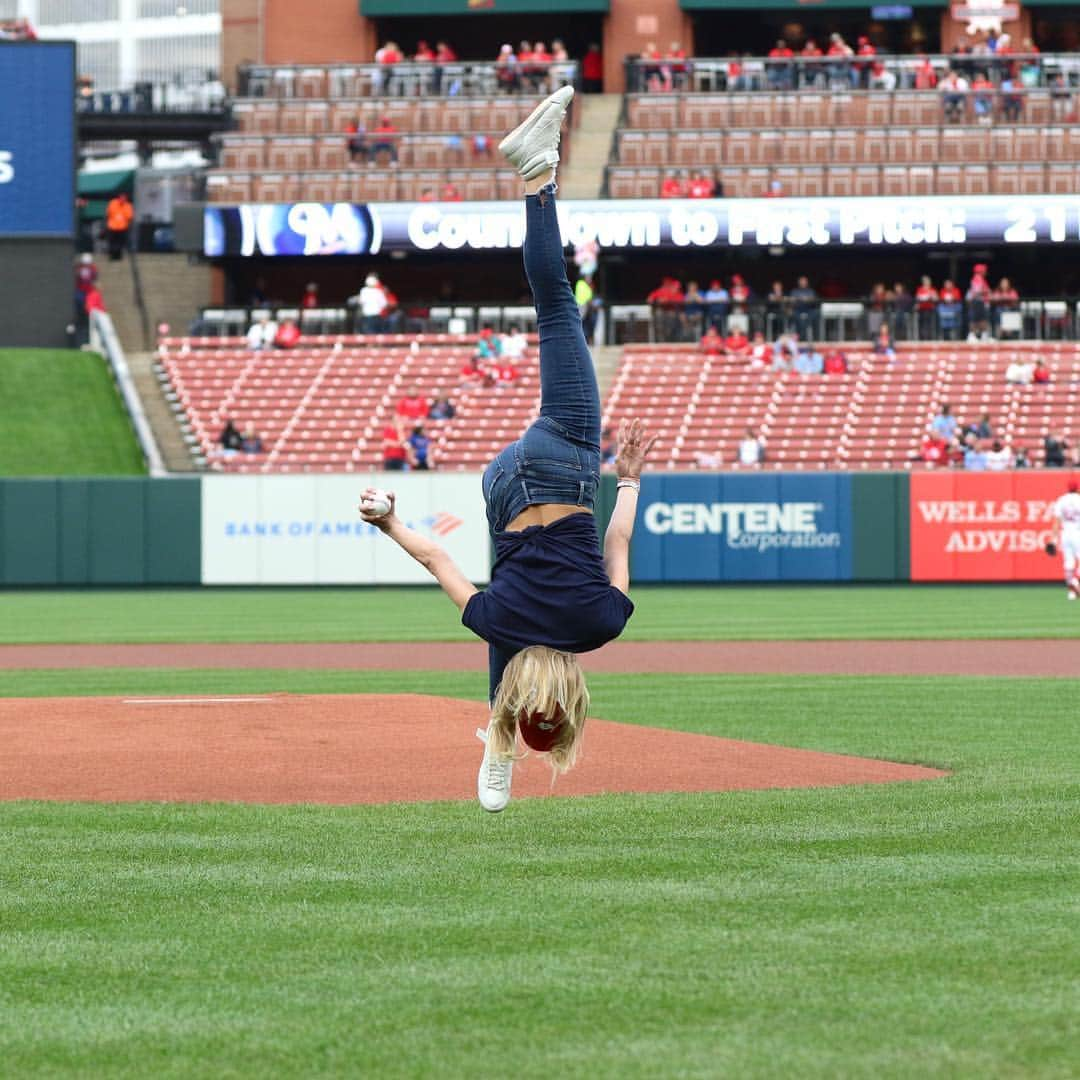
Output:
(512, 143)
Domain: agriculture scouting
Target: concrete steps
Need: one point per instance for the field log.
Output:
(164, 421)
(606, 362)
(583, 176)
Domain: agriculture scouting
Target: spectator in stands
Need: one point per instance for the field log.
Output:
(1003, 298)
(840, 70)
(809, 361)
(86, 273)
(982, 98)
(712, 344)
(866, 52)
(678, 71)
(507, 76)
(262, 333)
(505, 373)
(666, 302)
(592, 70)
(413, 406)
(232, 442)
(450, 192)
(561, 70)
(785, 349)
(672, 186)
(251, 443)
(427, 195)
(811, 70)
(974, 457)
(926, 304)
(925, 75)
(1020, 372)
(881, 77)
(651, 69)
(978, 304)
(760, 352)
(1041, 373)
(950, 311)
(883, 344)
(693, 314)
(589, 304)
(804, 308)
(934, 449)
(751, 449)
(953, 88)
(387, 56)
(737, 344)
(119, 214)
(395, 453)
(355, 142)
(514, 343)
(371, 303)
(999, 457)
(541, 66)
(701, 186)
(441, 407)
(944, 424)
(488, 345)
(718, 300)
(609, 447)
(902, 304)
(392, 315)
(474, 375)
(419, 450)
(835, 362)
(288, 335)
(740, 294)
(527, 73)
(775, 190)
(876, 304)
(777, 308)
(779, 72)
(1054, 448)
(384, 137)
(984, 429)
(1022, 461)
(310, 299)
(1012, 99)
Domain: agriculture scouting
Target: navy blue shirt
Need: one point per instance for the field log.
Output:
(548, 587)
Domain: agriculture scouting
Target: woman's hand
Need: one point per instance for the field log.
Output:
(382, 522)
(634, 444)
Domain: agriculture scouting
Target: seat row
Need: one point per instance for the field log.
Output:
(871, 108)
(870, 146)
(464, 115)
(864, 180)
(361, 185)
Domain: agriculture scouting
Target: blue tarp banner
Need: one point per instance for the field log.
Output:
(754, 527)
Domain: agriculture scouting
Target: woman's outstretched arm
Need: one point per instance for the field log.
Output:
(634, 444)
(426, 552)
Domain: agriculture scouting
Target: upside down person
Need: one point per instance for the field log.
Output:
(552, 592)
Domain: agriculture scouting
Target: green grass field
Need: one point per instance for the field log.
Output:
(424, 614)
(907, 930)
(63, 416)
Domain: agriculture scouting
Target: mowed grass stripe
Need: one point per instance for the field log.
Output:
(911, 929)
(728, 613)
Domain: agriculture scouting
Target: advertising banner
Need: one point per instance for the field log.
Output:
(984, 526)
(781, 527)
(938, 221)
(37, 139)
(305, 530)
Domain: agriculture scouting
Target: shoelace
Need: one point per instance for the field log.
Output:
(496, 770)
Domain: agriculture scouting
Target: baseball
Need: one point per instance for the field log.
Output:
(377, 504)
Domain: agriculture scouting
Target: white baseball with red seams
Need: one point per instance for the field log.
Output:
(377, 504)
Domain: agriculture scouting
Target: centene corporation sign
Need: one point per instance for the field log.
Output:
(758, 525)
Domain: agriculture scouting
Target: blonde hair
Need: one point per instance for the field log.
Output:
(541, 680)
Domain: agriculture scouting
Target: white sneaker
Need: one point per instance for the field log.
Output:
(493, 783)
(533, 146)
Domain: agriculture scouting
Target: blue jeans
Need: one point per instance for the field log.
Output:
(557, 460)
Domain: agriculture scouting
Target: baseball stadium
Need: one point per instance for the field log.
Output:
(539, 557)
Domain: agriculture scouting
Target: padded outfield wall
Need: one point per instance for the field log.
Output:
(693, 527)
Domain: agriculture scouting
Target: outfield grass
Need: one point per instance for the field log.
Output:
(63, 416)
(905, 930)
(739, 613)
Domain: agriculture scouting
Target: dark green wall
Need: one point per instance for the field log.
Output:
(114, 531)
(880, 527)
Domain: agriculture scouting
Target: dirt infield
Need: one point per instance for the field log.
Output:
(344, 749)
(1034, 657)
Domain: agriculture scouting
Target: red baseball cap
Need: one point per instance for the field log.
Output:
(538, 731)
(1074, 485)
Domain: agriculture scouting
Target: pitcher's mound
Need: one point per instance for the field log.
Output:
(359, 748)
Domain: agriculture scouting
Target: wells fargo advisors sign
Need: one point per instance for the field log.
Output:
(984, 526)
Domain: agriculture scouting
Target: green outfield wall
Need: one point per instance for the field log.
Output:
(304, 529)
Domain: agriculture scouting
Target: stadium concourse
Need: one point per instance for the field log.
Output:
(322, 406)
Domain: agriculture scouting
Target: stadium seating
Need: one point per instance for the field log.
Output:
(321, 406)
(288, 150)
(874, 417)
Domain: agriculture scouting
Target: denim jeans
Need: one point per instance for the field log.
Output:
(557, 460)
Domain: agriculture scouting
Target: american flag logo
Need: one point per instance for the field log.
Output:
(443, 524)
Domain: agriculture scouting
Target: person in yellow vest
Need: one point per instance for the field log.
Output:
(587, 305)
(118, 215)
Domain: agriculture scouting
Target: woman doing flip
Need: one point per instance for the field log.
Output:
(552, 592)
